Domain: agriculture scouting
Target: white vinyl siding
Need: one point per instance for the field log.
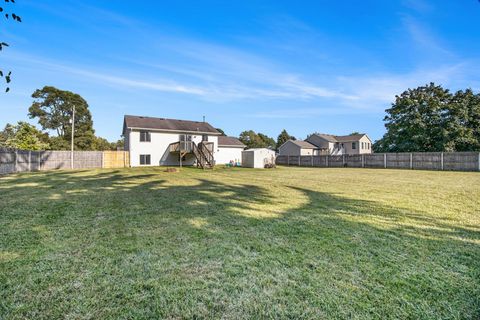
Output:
(158, 148)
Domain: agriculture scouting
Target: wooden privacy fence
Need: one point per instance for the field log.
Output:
(23, 160)
(456, 161)
(116, 159)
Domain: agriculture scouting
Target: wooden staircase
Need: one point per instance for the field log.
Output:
(202, 152)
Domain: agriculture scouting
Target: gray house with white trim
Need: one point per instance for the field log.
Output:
(327, 144)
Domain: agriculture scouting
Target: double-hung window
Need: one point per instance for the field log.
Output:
(145, 159)
(354, 145)
(145, 136)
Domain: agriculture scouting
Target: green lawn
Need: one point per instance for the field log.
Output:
(240, 243)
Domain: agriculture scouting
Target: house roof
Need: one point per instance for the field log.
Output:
(230, 141)
(303, 144)
(328, 137)
(162, 124)
(332, 138)
(352, 137)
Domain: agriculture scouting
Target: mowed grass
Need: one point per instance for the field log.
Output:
(298, 243)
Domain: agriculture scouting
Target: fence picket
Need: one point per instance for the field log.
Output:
(456, 161)
(19, 160)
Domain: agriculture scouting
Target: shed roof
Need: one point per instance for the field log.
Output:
(141, 122)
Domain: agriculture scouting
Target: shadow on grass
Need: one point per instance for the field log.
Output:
(187, 248)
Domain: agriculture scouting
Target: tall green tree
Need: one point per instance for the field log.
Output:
(463, 121)
(284, 137)
(54, 107)
(13, 17)
(266, 141)
(430, 118)
(253, 140)
(23, 136)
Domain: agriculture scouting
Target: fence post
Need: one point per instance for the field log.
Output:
(363, 160)
(312, 160)
(288, 160)
(385, 160)
(103, 159)
(441, 160)
(30, 161)
(326, 160)
(16, 161)
(299, 160)
(411, 161)
(40, 160)
(343, 160)
(479, 161)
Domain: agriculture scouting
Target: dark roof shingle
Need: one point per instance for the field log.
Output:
(332, 138)
(352, 137)
(140, 122)
(230, 141)
(303, 144)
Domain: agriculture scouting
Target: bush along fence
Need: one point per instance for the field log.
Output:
(456, 161)
(23, 160)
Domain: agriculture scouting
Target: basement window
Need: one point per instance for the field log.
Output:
(145, 159)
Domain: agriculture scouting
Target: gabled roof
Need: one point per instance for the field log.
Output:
(332, 138)
(230, 142)
(303, 144)
(352, 137)
(328, 137)
(162, 124)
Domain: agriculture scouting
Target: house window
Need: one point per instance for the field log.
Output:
(144, 136)
(205, 137)
(354, 145)
(145, 159)
(185, 137)
(363, 145)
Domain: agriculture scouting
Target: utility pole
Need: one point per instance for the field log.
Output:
(73, 129)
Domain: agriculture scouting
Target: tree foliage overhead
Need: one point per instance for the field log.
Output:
(253, 140)
(431, 118)
(54, 107)
(13, 17)
(284, 137)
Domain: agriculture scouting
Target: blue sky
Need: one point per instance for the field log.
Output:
(306, 66)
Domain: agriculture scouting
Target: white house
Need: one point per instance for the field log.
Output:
(171, 142)
(257, 157)
(229, 149)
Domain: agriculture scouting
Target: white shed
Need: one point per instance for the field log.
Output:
(257, 158)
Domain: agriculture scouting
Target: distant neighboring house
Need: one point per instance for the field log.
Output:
(326, 144)
(160, 142)
(336, 145)
(229, 149)
(298, 147)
